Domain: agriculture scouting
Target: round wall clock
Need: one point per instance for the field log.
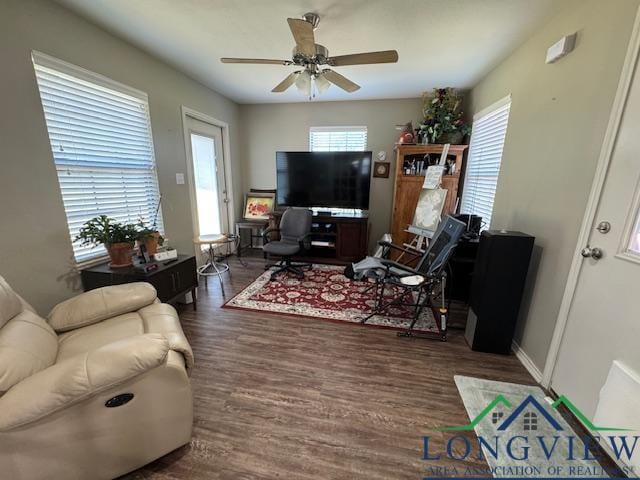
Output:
(381, 169)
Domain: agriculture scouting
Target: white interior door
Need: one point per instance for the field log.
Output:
(207, 179)
(603, 324)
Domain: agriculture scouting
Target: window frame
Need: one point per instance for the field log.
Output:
(530, 421)
(87, 76)
(479, 116)
(496, 417)
(339, 128)
(631, 243)
(632, 227)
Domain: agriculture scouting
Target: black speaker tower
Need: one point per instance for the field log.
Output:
(496, 289)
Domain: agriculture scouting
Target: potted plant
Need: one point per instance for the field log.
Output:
(118, 238)
(443, 121)
(149, 236)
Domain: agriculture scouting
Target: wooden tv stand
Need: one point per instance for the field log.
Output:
(335, 239)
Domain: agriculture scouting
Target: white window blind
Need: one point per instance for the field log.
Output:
(102, 147)
(485, 157)
(337, 139)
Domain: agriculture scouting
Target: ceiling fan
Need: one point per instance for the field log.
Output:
(312, 57)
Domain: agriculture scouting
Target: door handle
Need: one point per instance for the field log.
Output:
(604, 227)
(592, 252)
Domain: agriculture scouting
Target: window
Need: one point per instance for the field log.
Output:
(634, 240)
(485, 156)
(530, 421)
(337, 139)
(102, 147)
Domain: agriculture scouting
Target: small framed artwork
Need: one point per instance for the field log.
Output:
(258, 206)
(381, 169)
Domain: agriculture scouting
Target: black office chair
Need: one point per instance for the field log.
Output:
(295, 227)
(419, 286)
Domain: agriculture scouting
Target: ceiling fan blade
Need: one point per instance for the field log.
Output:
(302, 32)
(385, 56)
(341, 81)
(286, 83)
(256, 60)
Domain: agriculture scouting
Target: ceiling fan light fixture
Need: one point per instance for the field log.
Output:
(303, 83)
(322, 84)
(312, 57)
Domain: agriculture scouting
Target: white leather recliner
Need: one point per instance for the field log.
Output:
(98, 390)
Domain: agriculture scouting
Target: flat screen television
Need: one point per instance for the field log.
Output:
(323, 179)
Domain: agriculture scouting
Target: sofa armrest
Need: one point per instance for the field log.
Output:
(80, 377)
(99, 304)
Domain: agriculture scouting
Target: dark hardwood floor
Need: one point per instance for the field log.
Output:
(296, 398)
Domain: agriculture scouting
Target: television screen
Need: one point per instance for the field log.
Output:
(323, 179)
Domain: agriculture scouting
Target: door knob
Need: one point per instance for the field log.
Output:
(589, 252)
(604, 227)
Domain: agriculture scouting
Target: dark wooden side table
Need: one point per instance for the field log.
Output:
(172, 279)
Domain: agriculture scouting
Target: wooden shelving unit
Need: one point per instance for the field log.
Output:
(406, 188)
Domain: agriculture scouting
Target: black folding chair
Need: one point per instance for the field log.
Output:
(419, 286)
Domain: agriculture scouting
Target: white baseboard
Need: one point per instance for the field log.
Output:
(526, 362)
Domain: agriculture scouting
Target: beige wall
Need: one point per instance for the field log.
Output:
(273, 127)
(35, 250)
(559, 113)
(558, 117)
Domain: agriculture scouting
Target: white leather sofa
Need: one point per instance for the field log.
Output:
(65, 382)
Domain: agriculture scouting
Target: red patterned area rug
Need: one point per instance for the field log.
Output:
(325, 293)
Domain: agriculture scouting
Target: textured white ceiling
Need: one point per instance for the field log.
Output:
(440, 42)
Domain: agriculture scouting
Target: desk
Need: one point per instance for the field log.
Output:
(259, 225)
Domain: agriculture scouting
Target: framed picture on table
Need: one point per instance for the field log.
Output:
(258, 206)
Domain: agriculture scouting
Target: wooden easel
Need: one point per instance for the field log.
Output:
(421, 236)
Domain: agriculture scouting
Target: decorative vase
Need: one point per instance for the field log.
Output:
(454, 138)
(120, 254)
